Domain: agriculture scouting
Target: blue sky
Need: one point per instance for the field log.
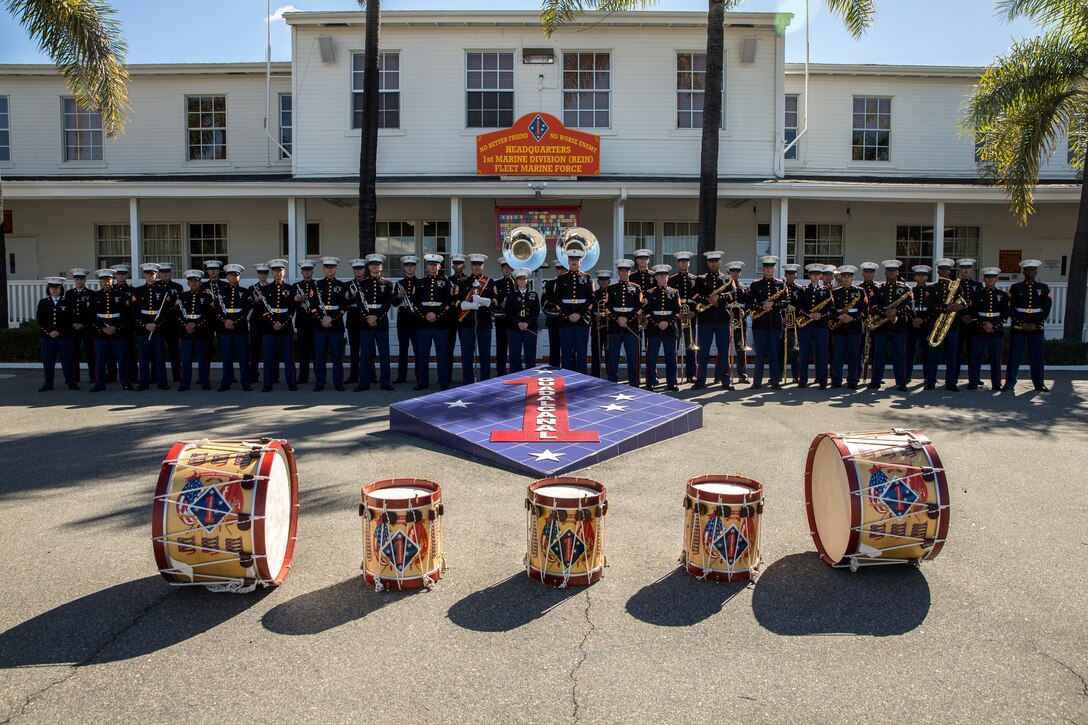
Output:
(914, 32)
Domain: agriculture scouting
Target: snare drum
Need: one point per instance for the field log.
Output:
(226, 513)
(565, 530)
(721, 527)
(402, 533)
(876, 498)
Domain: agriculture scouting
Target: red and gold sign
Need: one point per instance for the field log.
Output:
(538, 144)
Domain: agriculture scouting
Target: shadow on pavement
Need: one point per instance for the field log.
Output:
(328, 608)
(512, 603)
(124, 621)
(800, 594)
(678, 599)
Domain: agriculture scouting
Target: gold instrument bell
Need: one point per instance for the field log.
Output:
(582, 239)
(524, 247)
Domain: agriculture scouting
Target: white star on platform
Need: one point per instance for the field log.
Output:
(621, 396)
(545, 372)
(612, 406)
(547, 455)
(457, 404)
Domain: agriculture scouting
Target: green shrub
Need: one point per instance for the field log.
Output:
(20, 344)
(1065, 352)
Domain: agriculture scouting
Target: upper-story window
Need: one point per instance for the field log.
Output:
(792, 116)
(388, 89)
(691, 89)
(872, 130)
(82, 132)
(5, 130)
(490, 90)
(287, 130)
(206, 121)
(587, 81)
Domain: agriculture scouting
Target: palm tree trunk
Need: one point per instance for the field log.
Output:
(1078, 271)
(3, 267)
(368, 146)
(712, 121)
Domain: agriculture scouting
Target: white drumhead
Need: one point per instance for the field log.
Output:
(400, 492)
(734, 489)
(563, 490)
(831, 499)
(277, 511)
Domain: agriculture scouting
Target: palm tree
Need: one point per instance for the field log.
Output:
(84, 40)
(1024, 103)
(368, 147)
(856, 15)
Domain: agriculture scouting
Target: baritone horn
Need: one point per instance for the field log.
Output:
(524, 247)
(582, 239)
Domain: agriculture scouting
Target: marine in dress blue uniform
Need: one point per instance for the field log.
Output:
(196, 310)
(407, 319)
(684, 283)
(433, 301)
(574, 295)
(969, 287)
(813, 337)
(305, 289)
(276, 302)
(503, 286)
(375, 301)
(522, 308)
(989, 310)
(949, 350)
(152, 302)
(168, 324)
(920, 326)
(847, 329)
(739, 319)
(1029, 306)
(767, 297)
(121, 284)
(551, 315)
(662, 311)
(352, 318)
(79, 298)
(793, 357)
(643, 275)
(623, 306)
(888, 301)
(233, 327)
(457, 276)
(327, 307)
(714, 321)
(598, 334)
(257, 322)
(55, 316)
(214, 284)
(475, 299)
(112, 314)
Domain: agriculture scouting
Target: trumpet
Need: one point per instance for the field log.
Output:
(873, 323)
(805, 321)
(945, 320)
(737, 325)
(759, 313)
(835, 323)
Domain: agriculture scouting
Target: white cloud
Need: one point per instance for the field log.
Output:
(278, 15)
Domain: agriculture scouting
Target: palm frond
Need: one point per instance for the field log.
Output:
(857, 15)
(83, 39)
(554, 13)
(1070, 14)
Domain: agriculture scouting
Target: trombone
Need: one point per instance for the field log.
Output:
(789, 323)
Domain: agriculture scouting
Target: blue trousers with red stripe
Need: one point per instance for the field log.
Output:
(897, 341)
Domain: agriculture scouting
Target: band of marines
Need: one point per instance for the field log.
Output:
(830, 332)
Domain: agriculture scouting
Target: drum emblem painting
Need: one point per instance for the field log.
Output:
(894, 492)
(727, 544)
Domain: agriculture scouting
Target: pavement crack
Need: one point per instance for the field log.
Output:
(1079, 676)
(74, 668)
(581, 659)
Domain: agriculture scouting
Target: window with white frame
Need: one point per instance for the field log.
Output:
(962, 242)
(490, 90)
(436, 237)
(678, 237)
(791, 125)
(763, 242)
(287, 130)
(82, 132)
(691, 89)
(395, 239)
(206, 123)
(587, 81)
(162, 243)
(823, 244)
(313, 240)
(5, 130)
(113, 244)
(913, 245)
(388, 89)
(871, 139)
(638, 235)
(207, 242)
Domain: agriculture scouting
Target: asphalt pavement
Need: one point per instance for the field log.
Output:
(994, 629)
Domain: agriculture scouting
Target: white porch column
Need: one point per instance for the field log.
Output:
(292, 235)
(780, 218)
(457, 239)
(299, 240)
(136, 235)
(938, 233)
(619, 214)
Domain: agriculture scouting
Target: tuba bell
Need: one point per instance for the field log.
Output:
(524, 247)
(582, 239)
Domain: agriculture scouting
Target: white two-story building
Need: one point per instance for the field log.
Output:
(246, 162)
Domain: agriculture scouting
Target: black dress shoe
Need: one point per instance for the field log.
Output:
(398, 381)
(142, 387)
(1007, 387)
(776, 386)
(954, 388)
(292, 387)
(757, 386)
(247, 388)
(698, 386)
(351, 380)
(901, 388)
(420, 386)
(1042, 389)
(318, 388)
(73, 386)
(223, 388)
(648, 387)
(874, 386)
(743, 379)
(823, 386)
(266, 389)
(728, 386)
(206, 386)
(45, 388)
(673, 388)
(836, 386)
(387, 387)
(164, 386)
(929, 386)
(182, 388)
(802, 385)
(854, 386)
(972, 386)
(126, 387)
(360, 388)
(339, 388)
(98, 388)
(444, 386)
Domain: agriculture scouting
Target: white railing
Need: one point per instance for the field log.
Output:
(23, 299)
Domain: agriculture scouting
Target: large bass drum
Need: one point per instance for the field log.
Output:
(876, 498)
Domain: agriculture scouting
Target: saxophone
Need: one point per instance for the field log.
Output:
(945, 320)
(805, 320)
(835, 323)
(704, 306)
(873, 323)
(759, 313)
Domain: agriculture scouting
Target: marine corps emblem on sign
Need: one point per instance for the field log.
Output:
(538, 128)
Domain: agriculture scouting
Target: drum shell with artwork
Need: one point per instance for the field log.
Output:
(876, 498)
(565, 527)
(402, 533)
(722, 529)
(225, 513)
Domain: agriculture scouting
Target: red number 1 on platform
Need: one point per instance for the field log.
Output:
(546, 419)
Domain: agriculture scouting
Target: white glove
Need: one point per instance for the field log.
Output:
(483, 301)
(466, 305)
